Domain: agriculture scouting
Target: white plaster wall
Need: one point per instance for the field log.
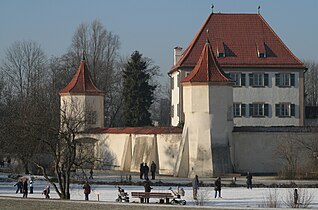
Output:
(198, 122)
(142, 150)
(73, 107)
(110, 147)
(271, 95)
(76, 105)
(168, 149)
(256, 152)
(221, 101)
(175, 97)
(96, 103)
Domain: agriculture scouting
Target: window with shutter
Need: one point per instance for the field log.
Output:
(292, 110)
(285, 109)
(266, 80)
(259, 110)
(277, 110)
(292, 79)
(277, 79)
(243, 79)
(243, 110)
(251, 79)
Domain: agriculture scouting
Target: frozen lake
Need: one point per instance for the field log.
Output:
(231, 197)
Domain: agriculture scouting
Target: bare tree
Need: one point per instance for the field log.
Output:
(67, 152)
(101, 48)
(23, 69)
(288, 151)
(311, 83)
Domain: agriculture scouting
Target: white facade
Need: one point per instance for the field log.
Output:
(247, 94)
(86, 108)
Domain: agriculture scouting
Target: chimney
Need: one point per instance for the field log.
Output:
(176, 55)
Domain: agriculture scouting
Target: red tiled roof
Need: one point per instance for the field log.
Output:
(207, 69)
(137, 130)
(81, 83)
(240, 36)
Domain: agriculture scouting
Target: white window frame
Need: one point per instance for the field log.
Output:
(258, 79)
(236, 77)
(284, 110)
(258, 110)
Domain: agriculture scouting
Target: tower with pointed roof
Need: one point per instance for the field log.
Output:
(82, 100)
(208, 99)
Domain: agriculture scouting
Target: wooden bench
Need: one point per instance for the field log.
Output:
(144, 195)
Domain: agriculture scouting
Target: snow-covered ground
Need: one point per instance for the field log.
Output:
(234, 197)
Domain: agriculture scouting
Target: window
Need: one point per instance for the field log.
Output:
(258, 79)
(172, 111)
(178, 110)
(261, 55)
(285, 79)
(172, 82)
(239, 109)
(221, 54)
(285, 109)
(238, 78)
(258, 109)
(91, 117)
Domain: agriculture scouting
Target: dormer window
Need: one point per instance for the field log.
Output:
(261, 54)
(261, 50)
(221, 54)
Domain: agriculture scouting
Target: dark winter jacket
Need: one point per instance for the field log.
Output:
(217, 185)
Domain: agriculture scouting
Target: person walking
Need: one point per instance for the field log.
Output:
(25, 188)
(46, 192)
(146, 171)
(87, 190)
(249, 180)
(217, 187)
(91, 174)
(141, 169)
(296, 198)
(19, 185)
(195, 187)
(31, 187)
(153, 168)
(147, 189)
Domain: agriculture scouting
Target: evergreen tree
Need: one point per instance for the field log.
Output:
(137, 90)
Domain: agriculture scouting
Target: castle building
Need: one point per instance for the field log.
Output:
(269, 78)
(237, 90)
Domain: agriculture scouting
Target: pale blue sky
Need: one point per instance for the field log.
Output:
(152, 27)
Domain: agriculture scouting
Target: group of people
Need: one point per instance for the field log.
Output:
(217, 185)
(144, 170)
(23, 187)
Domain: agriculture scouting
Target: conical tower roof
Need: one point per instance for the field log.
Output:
(207, 68)
(81, 83)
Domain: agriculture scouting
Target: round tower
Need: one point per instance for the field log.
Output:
(208, 100)
(82, 101)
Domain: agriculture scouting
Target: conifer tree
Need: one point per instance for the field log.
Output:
(137, 90)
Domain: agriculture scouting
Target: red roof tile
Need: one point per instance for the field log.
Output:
(241, 35)
(207, 69)
(81, 83)
(137, 130)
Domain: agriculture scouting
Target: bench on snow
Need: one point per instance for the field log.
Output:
(143, 195)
